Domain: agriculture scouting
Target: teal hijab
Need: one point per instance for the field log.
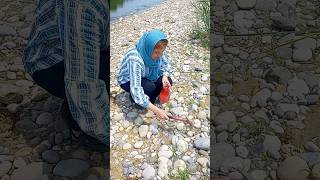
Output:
(145, 48)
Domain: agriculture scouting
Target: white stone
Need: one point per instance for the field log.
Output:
(182, 146)
(180, 126)
(143, 130)
(197, 123)
(148, 172)
(203, 161)
(179, 165)
(138, 144)
(127, 146)
(163, 167)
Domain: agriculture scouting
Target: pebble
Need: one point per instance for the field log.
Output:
(180, 126)
(179, 165)
(298, 88)
(225, 118)
(70, 168)
(118, 117)
(138, 144)
(197, 123)
(221, 152)
(224, 90)
(235, 175)
(219, 40)
(19, 162)
(11, 75)
(154, 129)
(143, 130)
(165, 152)
(50, 156)
(261, 98)
(308, 43)
(163, 170)
(272, 146)
(190, 133)
(316, 171)
(7, 30)
(276, 126)
(126, 146)
(182, 146)
(34, 170)
(13, 108)
(222, 137)
(202, 143)
(231, 50)
(44, 118)
(138, 121)
(203, 161)
(232, 164)
(203, 90)
(132, 115)
(242, 151)
(243, 20)
(282, 22)
(293, 168)
(266, 5)
(202, 115)
(243, 98)
(246, 4)
(311, 147)
(177, 111)
(5, 166)
(24, 83)
(148, 172)
(301, 54)
(258, 174)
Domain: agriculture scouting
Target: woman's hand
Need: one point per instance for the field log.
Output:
(165, 81)
(161, 114)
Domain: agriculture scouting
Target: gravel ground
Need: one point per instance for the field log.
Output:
(266, 90)
(35, 141)
(143, 146)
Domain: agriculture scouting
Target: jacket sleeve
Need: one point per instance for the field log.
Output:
(85, 36)
(165, 66)
(136, 89)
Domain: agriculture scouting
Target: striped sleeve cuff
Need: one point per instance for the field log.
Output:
(146, 104)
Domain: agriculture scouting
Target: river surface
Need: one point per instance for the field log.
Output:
(121, 8)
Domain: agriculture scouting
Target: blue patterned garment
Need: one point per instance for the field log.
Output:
(133, 69)
(74, 31)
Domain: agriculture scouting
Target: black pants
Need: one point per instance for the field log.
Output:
(150, 88)
(52, 79)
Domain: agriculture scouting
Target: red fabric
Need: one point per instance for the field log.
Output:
(164, 95)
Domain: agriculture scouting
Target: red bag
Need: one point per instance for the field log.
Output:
(164, 95)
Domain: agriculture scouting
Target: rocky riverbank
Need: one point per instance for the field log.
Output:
(266, 89)
(142, 145)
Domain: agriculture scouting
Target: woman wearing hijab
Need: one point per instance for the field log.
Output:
(145, 70)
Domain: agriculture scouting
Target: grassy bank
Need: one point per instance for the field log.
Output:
(201, 28)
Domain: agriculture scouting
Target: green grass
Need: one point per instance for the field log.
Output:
(257, 128)
(115, 3)
(201, 29)
(181, 175)
(174, 150)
